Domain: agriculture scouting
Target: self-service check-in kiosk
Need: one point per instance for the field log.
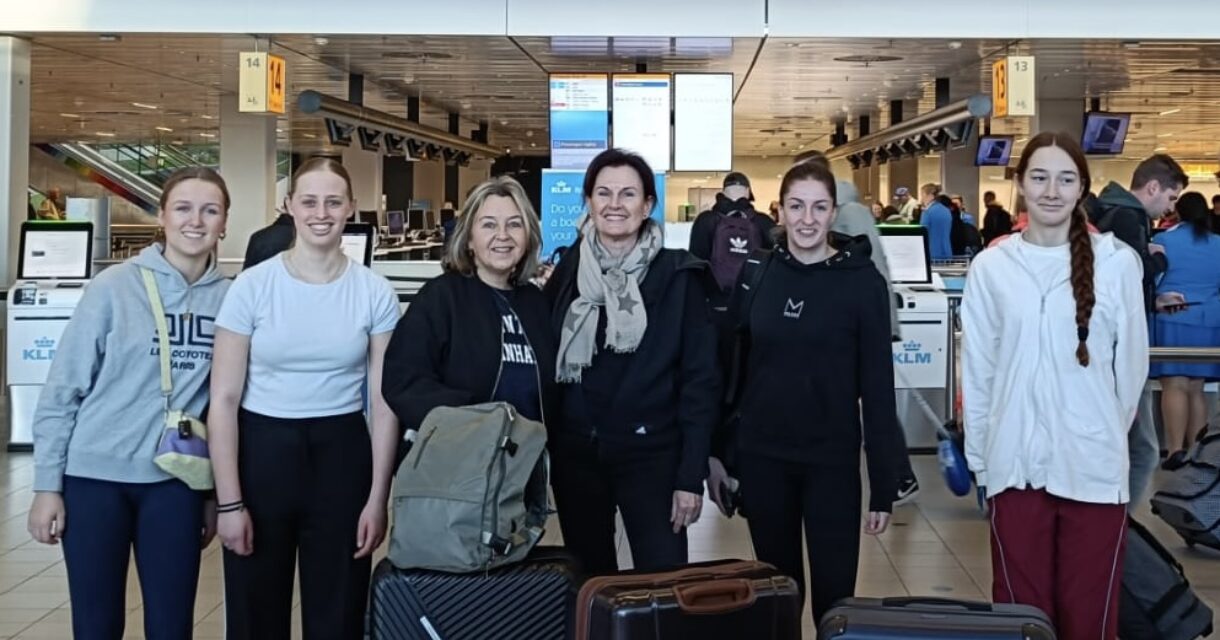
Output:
(921, 357)
(52, 271)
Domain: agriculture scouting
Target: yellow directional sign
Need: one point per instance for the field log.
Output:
(262, 83)
(1013, 87)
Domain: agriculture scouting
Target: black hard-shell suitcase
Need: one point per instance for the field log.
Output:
(877, 619)
(730, 599)
(530, 600)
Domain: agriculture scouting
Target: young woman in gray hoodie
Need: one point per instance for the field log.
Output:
(100, 416)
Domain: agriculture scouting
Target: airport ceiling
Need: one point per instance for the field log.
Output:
(789, 91)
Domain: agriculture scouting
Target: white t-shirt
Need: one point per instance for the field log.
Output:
(309, 343)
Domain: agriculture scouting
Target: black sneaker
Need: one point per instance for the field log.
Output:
(1175, 461)
(908, 488)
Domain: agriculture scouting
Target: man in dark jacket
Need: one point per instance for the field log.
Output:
(1128, 215)
(735, 199)
(269, 241)
(997, 221)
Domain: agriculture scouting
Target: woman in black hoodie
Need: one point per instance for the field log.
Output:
(640, 387)
(480, 332)
(816, 322)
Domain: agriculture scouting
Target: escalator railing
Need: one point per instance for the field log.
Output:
(103, 170)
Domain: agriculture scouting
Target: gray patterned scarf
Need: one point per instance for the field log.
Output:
(604, 281)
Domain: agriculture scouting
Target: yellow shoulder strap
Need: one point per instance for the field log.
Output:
(154, 298)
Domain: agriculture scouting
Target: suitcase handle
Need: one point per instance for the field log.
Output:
(981, 607)
(717, 597)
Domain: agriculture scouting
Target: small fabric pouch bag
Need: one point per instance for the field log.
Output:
(182, 450)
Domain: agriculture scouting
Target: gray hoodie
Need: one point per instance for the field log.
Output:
(855, 219)
(100, 414)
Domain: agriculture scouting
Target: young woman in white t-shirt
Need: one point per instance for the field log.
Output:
(299, 339)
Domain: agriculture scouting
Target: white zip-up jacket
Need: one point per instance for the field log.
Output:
(1033, 416)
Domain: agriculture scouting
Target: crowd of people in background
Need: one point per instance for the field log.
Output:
(661, 374)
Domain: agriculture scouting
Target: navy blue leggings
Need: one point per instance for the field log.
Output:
(104, 521)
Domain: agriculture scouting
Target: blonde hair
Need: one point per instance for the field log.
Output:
(458, 257)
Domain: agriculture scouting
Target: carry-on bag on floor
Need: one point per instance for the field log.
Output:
(728, 599)
(1189, 500)
(1156, 602)
(530, 600)
(876, 618)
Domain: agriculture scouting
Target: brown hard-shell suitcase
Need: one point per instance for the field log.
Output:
(723, 599)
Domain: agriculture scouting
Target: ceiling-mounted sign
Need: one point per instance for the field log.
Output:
(641, 111)
(262, 80)
(1013, 87)
(703, 122)
(580, 118)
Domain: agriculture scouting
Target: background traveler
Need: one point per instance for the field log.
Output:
(939, 221)
(299, 339)
(905, 203)
(1155, 186)
(996, 221)
(1053, 365)
(1188, 315)
(100, 417)
(819, 378)
(270, 240)
(639, 383)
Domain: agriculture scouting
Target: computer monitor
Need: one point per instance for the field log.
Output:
(368, 217)
(396, 223)
(994, 151)
(416, 220)
(1105, 133)
(430, 220)
(53, 250)
(906, 251)
(357, 242)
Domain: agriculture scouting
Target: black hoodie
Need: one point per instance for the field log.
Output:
(446, 349)
(819, 357)
(667, 393)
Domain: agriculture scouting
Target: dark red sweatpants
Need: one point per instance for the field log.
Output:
(1062, 556)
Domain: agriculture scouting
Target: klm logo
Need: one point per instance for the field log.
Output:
(43, 351)
(738, 245)
(561, 188)
(912, 353)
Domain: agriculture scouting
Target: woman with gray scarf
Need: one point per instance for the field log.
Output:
(637, 373)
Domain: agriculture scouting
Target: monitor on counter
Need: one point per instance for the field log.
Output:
(367, 217)
(358, 242)
(55, 251)
(396, 223)
(906, 250)
(416, 219)
(994, 151)
(1105, 133)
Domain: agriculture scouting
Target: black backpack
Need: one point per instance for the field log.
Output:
(735, 238)
(965, 238)
(1156, 600)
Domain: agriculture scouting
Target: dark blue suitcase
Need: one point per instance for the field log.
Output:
(530, 600)
(928, 618)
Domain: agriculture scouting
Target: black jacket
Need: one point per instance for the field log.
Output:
(269, 241)
(665, 394)
(1121, 213)
(703, 232)
(996, 223)
(445, 351)
(820, 365)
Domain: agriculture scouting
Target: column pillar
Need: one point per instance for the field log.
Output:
(14, 147)
(958, 173)
(365, 167)
(904, 172)
(247, 162)
(452, 191)
(1064, 115)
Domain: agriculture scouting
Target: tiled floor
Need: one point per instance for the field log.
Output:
(936, 547)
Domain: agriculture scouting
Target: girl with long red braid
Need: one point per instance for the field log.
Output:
(1054, 360)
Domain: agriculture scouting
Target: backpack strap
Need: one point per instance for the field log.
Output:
(752, 273)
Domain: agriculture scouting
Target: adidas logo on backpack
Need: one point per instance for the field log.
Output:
(739, 245)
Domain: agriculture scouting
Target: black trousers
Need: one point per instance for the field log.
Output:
(780, 497)
(304, 483)
(590, 484)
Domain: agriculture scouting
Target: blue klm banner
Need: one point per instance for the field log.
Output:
(563, 204)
